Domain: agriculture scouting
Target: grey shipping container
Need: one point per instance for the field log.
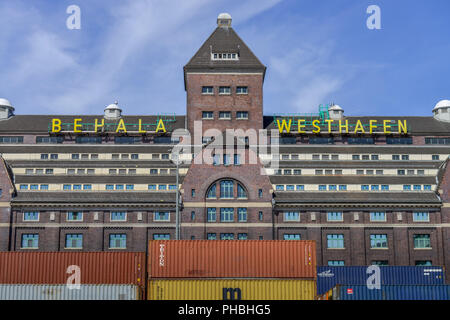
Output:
(62, 292)
(331, 276)
(395, 292)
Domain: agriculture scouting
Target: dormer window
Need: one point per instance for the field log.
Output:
(224, 56)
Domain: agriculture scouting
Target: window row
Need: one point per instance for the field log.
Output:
(83, 171)
(95, 156)
(375, 216)
(98, 140)
(114, 216)
(229, 236)
(89, 187)
(344, 187)
(225, 115)
(224, 90)
(227, 214)
(341, 263)
(378, 241)
(364, 157)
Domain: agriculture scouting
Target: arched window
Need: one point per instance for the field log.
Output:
(241, 193)
(212, 192)
(226, 189)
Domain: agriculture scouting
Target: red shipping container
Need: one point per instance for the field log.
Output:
(52, 267)
(232, 259)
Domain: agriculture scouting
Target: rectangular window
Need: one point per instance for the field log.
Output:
(67, 187)
(242, 90)
(242, 214)
(30, 241)
(427, 187)
(369, 172)
(417, 187)
(338, 172)
(378, 216)
(172, 187)
(384, 187)
(322, 187)
(127, 140)
(335, 216)
(424, 263)
(88, 140)
(335, 241)
(380, 263)
(118, 216)
(410, 172)
(207, 115)
(261, 216)
(162, 187)
(212, 236)
(207, 90)
(211, 214)
(395, 157)
(319, 172)
(152, 187)
(161, 236)
(237, 159)
(49, 140)
(374, 157)
(226, 236)
(54, 156)
(119, 186)
(242, 236)
(300, 187)
(325, 157)
(11, 139)
(161, 216)
(360, 141)
(48, 171)
(290, 187)
(75, 156)
(260, 193)
(328, 172)
(406, 140)
(379, 172)
(44, 156)
(74, 216)
(406, 187)
(435, 157)
(405, 157)
(77, 187)
(34, 187)
(297, 172)
(374, 187)
(109, 187)
(224, 90)
(192, 215)
(44, 187)
(342, 187)
(401, 172)
(87, 187)
(29, 171)
(378, 241)
(117, 241)
(364, 187)
(94, 156)
(355, 157)
(242, 115)
(23, 187)
(226, 214)
(336, 263)
(226, 189)
(39, 171)
(225, 115)
(421, 216)
(332, 187)
(316, 156)
(360, 172)
(31, 216)
(365, 157)
(291, 236)
(130, 186)
(321, 140)
(291, 216)
(422, 241)
(74, 241)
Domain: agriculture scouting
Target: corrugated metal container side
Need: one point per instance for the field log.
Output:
(394, 292)
(329, 277)
(62, 292)
(232, 259)
(51, 267)
(230, 289)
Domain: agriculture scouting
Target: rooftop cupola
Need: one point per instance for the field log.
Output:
(335, 112)
(224, 20)
(6, 109)
(113, 111)
(441, 111)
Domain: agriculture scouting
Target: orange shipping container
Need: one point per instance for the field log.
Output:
(232, 259)
(53, 267)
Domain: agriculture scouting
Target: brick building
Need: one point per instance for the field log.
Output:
(367, 189)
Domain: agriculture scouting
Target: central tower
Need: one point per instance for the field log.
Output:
(224, 83)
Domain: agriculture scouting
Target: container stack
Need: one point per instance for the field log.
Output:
(72, 275)
(231, 270)
(396, 283)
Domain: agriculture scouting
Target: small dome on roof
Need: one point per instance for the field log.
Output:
(335, 107)
(5, 103)
(442, 104)
(113, 106)
(224, 20)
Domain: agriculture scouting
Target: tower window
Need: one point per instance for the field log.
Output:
(207, 90)
(207, 115)
(242, 90)
(224, 90)
(242, 115)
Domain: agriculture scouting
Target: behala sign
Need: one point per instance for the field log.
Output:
(56, 126)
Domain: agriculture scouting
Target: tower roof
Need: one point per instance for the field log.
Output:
(224, 40)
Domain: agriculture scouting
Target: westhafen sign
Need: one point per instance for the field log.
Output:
(342, 126)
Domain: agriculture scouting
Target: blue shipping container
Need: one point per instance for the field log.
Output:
(396, 292)
(329, 277)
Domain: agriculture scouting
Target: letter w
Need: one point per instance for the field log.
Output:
(284, 125)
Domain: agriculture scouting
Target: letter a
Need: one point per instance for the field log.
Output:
(374, 21)
(374, 281)
(74, 20)
(74, 281)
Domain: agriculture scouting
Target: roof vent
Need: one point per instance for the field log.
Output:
(6, 109)
(224, 20)
(113, 111)
(335, 112)
(441, 111)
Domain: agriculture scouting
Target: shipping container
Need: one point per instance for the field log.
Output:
(62, 292)
(59, 267)
(231, 289)
(232, 259)
(329, 277)
(392, 292)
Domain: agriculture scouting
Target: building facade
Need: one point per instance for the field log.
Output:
(368, 190)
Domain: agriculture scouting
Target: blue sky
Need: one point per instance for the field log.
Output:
(316, 51)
